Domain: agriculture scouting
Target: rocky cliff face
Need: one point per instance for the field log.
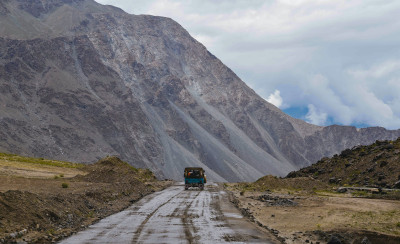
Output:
(79, 81)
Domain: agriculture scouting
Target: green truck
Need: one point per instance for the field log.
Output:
(195, 177)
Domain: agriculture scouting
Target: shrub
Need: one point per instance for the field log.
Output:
(64, 185)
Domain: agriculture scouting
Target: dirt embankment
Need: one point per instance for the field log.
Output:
(37, 208)
(375, 165)
(304, 210)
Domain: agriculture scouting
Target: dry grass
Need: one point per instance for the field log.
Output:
(41, 161)
(282, 185)
(34, 170)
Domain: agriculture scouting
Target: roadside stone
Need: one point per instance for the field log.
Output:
(276, 201)
(334, 240)
(365, 241)
(381, 176)
(332, 180)
(383, 164)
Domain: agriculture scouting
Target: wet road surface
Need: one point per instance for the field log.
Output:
(175, 216)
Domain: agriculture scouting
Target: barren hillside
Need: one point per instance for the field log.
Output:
(80, 81)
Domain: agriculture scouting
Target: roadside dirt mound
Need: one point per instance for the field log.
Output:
(373, 165)
(46, 210)
(112, 170)
(44, 217)
(270, 182)
(346, 236)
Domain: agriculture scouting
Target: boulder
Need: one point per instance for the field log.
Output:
(334, 240)
(365, 241)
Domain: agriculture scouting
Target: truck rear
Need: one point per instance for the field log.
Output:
(195, 177)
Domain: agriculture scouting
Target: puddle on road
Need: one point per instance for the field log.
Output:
(233, 215)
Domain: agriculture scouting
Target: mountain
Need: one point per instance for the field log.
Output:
(80, 81)
(373, 165)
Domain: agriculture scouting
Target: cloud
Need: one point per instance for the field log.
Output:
(316, 117)
(339, 56)
(275, 98)
(377, 71)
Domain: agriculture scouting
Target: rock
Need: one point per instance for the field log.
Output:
(381, 176)
(346, 153)
(70, 217)
(334, 240)
(365, 241)
(332, 180)
(397, 185)
(342, 190)
(388, 147)
(276, 201)
(383, 164)
(381, 185)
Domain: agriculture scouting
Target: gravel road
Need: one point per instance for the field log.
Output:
(175, 216)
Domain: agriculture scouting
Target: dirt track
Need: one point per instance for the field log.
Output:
(176, 216)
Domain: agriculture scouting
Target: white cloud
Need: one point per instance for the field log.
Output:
(378, 71)
(275, 98)
(317, 90)
(340, 56)
(316, 117)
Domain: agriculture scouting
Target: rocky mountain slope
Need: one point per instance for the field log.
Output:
(79, 81)
(377, 164)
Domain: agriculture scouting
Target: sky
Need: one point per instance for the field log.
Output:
(326, 62)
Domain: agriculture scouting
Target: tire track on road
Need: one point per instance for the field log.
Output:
(185, 221)
(143, 224)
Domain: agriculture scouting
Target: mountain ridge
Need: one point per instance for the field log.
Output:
(106, 82)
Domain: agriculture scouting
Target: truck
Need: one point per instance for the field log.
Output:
(195, 177)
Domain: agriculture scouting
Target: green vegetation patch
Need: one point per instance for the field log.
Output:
(292, 186)
(42, 161)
